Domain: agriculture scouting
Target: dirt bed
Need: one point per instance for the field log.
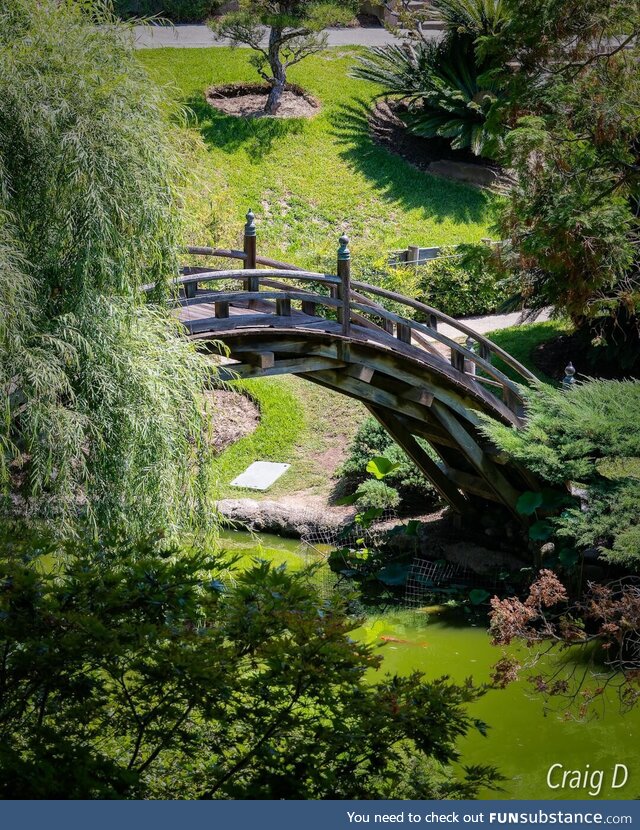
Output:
(248, 101)
(240, 417)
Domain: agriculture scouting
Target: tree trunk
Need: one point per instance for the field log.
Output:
(278, 72)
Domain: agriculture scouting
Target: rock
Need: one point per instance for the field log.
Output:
(481, 560)
(461, 171)
(276, 517)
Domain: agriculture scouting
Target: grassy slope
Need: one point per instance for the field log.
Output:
(310, 180)
(520, 341)
(301, 424)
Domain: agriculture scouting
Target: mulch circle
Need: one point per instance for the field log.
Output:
(248, 101)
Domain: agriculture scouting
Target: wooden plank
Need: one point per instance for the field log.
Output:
(363, 373)
(470, 483)
(296, 366)
(457, 360)
(478, 458)
(222, 310)
(447, 490)
(369, 393)
(210, 324)
(403, 333)
(419, 395)
(261, 360)
(240, 297)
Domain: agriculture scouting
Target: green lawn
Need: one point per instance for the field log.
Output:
(308, 180)
(520, 341)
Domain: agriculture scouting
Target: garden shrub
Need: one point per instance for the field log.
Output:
(460, 284)
(589, 436)
(178, 11)
(372, 440)
(133, 670)
(463, 281)
(376, 495)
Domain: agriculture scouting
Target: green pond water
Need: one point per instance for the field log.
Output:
(523, 740)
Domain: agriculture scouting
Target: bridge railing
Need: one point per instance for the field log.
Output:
(353, 303)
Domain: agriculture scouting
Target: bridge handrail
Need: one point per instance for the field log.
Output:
(451, 321)
(489, 345)
(341, 287)
(333, 281)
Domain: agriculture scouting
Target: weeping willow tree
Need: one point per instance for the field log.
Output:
(102, 411)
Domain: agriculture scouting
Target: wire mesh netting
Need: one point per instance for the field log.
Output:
(318, 539)
(428, 578)
(324, 538)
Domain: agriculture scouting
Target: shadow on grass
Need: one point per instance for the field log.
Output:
(231, 133)
(396, 180)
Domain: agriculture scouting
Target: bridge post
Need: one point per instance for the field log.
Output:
(344, 289)
(252, 283)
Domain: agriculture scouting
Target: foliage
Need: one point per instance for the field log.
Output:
(178, 11)
(603, 626)
(138, 671)
(377, 495)
(103, 416)
(589, 436)
(373, 440)
(571, 115)
(293, 29)
(460, 284)
(448, 87)
(471, 18)
(446, 94)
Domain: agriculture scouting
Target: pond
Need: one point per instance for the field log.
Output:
(523, 740)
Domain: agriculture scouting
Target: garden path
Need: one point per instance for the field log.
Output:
(491, 322)
(198, 36)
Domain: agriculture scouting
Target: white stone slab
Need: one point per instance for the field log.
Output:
(260, 475)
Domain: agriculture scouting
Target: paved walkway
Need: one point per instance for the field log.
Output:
(492, 322)
(188, 36)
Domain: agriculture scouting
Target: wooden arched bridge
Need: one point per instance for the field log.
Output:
(386, 350)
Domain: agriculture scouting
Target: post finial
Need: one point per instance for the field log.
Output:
(250, 227)
(569, 372)
(343, 250)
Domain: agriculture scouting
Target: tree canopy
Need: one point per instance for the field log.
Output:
(570, 103)
(281, 33)
(136, 671)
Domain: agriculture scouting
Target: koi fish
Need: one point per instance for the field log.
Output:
(387, 639)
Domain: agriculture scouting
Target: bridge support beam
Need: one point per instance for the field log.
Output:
(469, 447)
(401, 435)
